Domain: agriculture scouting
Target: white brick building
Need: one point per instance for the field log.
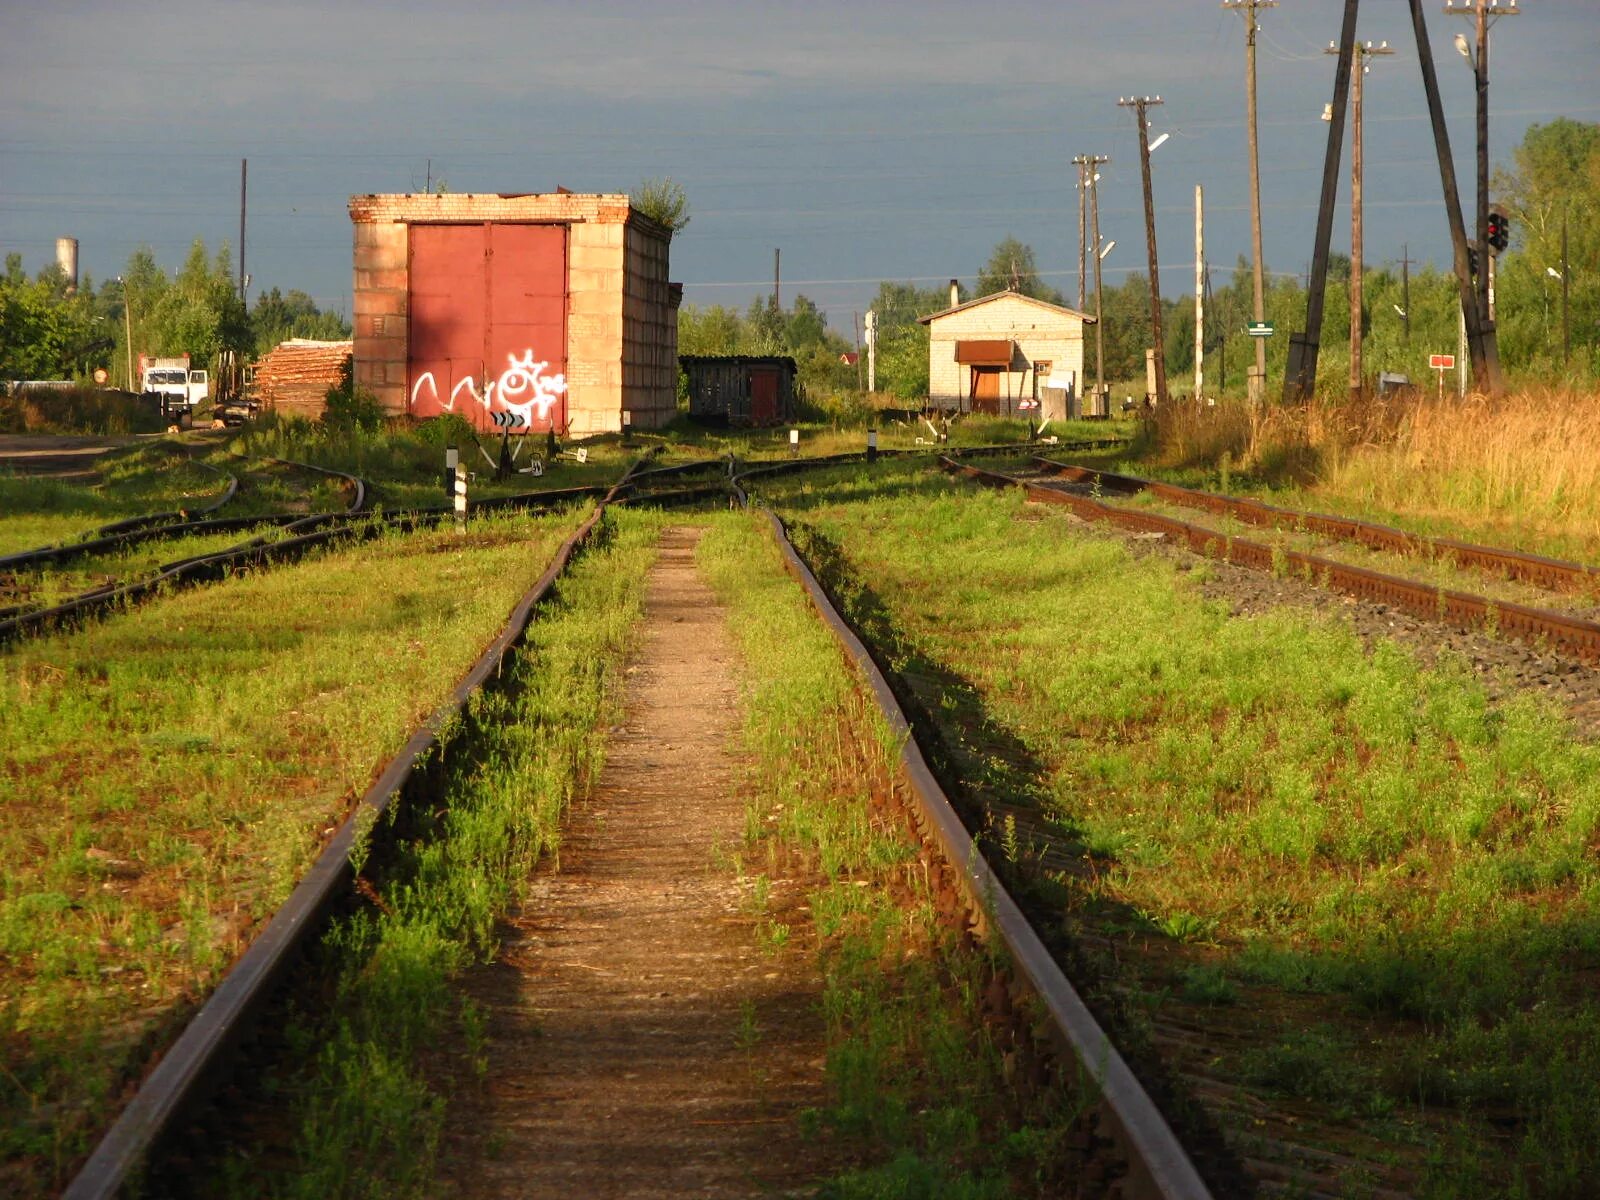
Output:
(1005, 353)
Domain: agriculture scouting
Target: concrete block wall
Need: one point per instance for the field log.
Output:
(621, 328)
(1042, 333)
(649, 329)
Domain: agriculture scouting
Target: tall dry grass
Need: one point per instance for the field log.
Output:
(1522, 469)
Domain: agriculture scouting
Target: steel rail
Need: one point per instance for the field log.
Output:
(1551, 573)
(181, 1075)
(1158, 1164)
(153, 527)
(1463, 610)
(130, 524)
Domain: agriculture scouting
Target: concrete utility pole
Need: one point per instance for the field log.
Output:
(1248, 9)
(777, 277)
(1405, 290)
(1099, 324)
(1081, 161)
(1300, 379)
(872, 351)
(1479, 330)
(1483, 14)
(1199, 292)
(1139, 104)
(1364, 51)
(1566, 275)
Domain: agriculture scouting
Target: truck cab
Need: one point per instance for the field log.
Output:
(176, 387)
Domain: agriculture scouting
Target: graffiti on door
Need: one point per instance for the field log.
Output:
(523, 387)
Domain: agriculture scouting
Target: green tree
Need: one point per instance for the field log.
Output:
(48, 331)
(277, 318)
(1011, 264)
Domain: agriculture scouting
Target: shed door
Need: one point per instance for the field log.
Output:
(763, 396)
(488, 322)
(986, 389)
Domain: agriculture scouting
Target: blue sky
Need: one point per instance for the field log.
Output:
(868, 141)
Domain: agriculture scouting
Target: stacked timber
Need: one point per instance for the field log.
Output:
(294, 377)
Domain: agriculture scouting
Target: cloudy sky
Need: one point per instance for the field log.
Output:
(869, 141)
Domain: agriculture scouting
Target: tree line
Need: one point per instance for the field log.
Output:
(50, 330)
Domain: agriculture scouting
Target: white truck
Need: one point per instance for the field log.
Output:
(178, 389)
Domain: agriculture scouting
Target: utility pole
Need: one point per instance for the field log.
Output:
(872, 351)
(1566, 274)
(1139, 104)
(1099, 254)
(1479, 330)
(1364, 51)
(244, 179)
(1084, 168)
(1300, 378)
(1483, 14)
(1405, 290)
(777, 277)
(1248, 9)
(1199, 292)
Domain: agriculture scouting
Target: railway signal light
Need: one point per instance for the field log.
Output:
(1498, 232)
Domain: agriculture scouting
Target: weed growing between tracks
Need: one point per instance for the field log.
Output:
(367, 1111)
(168, 773)
(924, 1080)
(1268, 815)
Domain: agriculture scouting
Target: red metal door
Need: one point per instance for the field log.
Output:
(763, 397)
(489, 322)
(447, 319)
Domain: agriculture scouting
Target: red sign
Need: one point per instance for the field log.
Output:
(1442, 362)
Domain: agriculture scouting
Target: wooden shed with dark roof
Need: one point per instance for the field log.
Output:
(741, 389)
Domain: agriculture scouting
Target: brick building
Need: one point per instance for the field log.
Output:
(554, 305)
(1006, 353)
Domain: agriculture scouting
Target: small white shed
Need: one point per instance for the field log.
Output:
(1006, 353)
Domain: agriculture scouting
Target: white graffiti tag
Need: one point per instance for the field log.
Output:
(523, 388)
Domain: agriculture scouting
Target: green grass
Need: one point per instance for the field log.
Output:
(1334, 823)
(920, 1082)
(168, 774)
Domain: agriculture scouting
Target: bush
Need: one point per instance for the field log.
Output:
(349, 407)
(80, 410)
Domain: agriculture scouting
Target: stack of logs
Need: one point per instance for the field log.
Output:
(294, 377)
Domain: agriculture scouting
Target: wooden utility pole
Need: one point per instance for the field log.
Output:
(1248, 9)
(1199, 292)
(1158, 350)
(777, 277)
(1300, 378)
(244, 180)
(1099, 323)
(1405, 290)
(1364, 51)
(1566, 274)
(1081, 161)
(1479, 330)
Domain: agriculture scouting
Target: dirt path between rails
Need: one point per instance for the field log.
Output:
(642, 1041)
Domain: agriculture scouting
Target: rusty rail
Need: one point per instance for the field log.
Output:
(1463, 610)
(181, 1076)
(1551, 573)
(1159, 1167)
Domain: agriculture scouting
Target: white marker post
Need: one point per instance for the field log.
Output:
(872, 445)
(794, 443)
(627, 426)
(461, 499)
(452, 460)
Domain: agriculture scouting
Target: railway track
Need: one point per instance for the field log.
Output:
(188, 1069)
(1571, 635)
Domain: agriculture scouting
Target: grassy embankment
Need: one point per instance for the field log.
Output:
(168, 774)
(1519, 472)
(921, 1084)
(1269, 819)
